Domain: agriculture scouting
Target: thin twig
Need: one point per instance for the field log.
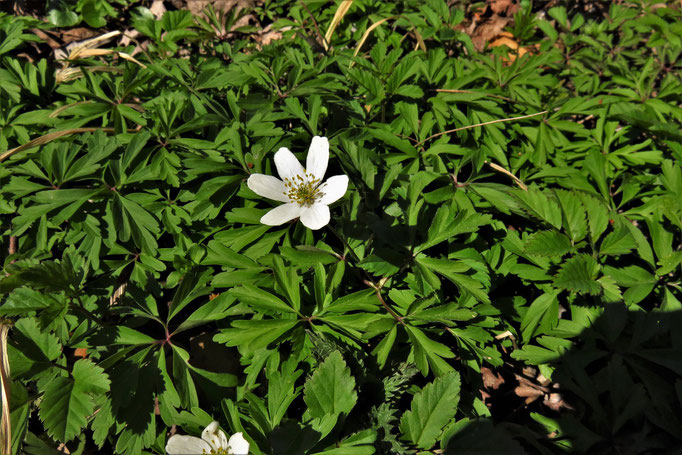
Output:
(12, 244)
(390, 310)
(481, 124)
(345, 243)
(320, 36)
(471, 92)
(44, 139)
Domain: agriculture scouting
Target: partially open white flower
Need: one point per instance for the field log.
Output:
(304, 196)
(213, 441)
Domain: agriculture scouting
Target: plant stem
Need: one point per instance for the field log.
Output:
(345, 244)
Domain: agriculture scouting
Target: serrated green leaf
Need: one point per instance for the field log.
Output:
(67, 403)
(431, 409)
(579, 274)
(548, 243)
(38, 345)
(24, 300)
(331, 388)
(90, 377)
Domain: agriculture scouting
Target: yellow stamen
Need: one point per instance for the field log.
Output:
(304, 190)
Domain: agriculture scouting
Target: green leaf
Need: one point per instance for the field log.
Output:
(548, 243)
(453, 271)
(537, 204)
(62, 18)
(444, 314)
(597, 216)
(92, 14)
(24, 300)
(429, 353)
(254, 334)
(219, 254)
(330, 391)
(37, 345)
(288, 282)
(90, 377)
(67, 404)
(260, 299)
(431, 409)
(579, 274)
(543, 313)
(638, 281)
(618, 242)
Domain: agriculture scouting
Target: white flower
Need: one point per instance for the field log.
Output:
(213, 441)
(304, 196)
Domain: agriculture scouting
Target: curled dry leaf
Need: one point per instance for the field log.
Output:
(491, 380)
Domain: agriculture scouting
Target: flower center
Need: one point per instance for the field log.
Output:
(304, 190)
(216, 452)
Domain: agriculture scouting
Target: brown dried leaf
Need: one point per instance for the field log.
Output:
(158, 9)
(555, 401)
(197, 7)
(527, 391)
(505, 7)
(488, 30)
(491, 380)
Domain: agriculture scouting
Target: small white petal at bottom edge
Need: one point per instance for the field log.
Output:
(267, 186)
(186, 445)
(316, 216)
(214, 436)
(282, 214)
(238, 445)
(334, 189)
(318, 157)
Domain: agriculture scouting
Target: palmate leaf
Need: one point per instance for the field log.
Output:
(68, 402)
(429, 353)
(454, 271)
(431, 410)
(579, 274)
(250, 335)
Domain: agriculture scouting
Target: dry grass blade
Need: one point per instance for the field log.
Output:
(366, 35)
(68, 74)
(130, 58)
(517, 180)
(96, 52)
(49, 137)
(336, 20)
(481, 124)
(61, 109)
(118, 293)
(420, 41)
(80, 48)
(5, 424)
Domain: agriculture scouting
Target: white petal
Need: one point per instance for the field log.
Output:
(267, 186)
(186, 445)
(334, 189)
(214, 436)
(238, 445)
(318, 157)
(287, 164)
(316, 216)
(282, 214)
